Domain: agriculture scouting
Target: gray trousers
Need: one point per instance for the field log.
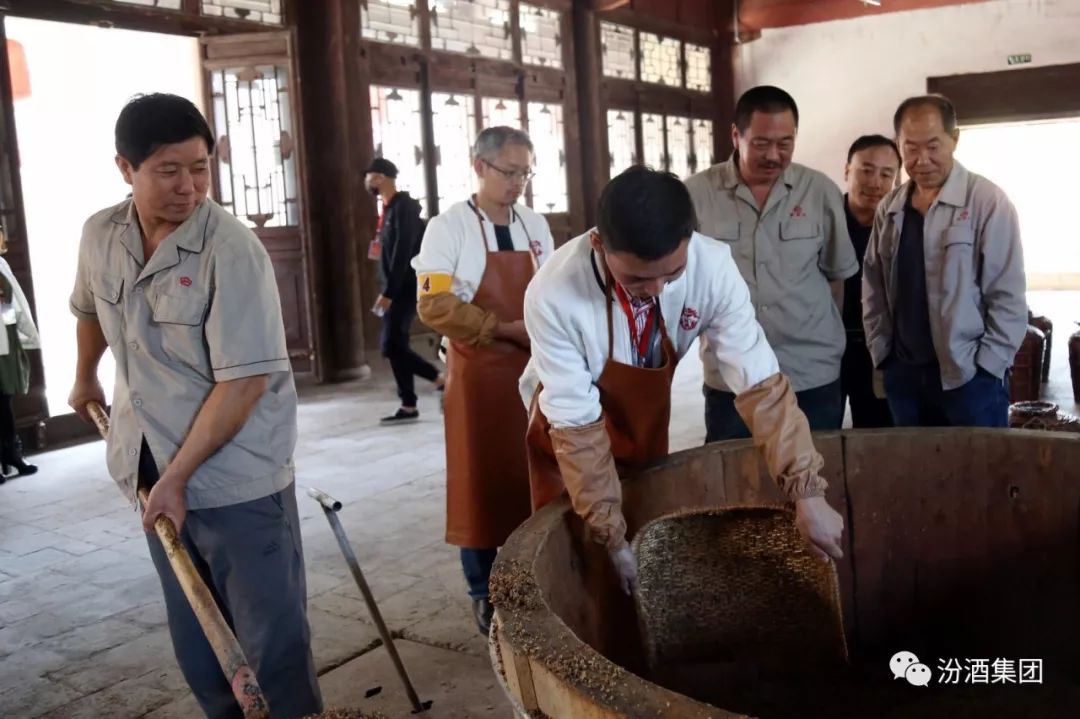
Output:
(250, 557)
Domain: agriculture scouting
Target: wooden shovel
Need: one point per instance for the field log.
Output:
(229, 654)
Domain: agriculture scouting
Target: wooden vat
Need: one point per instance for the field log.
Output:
(959, 543)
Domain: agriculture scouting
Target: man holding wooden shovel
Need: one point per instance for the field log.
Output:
(204, 410)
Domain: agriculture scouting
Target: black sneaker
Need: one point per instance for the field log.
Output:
(483, 612)
(402, 416)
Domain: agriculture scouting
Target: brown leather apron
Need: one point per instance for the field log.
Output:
(487, 481)
(636, 405)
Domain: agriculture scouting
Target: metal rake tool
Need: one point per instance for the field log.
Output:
(330, 507)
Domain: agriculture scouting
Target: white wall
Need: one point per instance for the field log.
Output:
(848, 76)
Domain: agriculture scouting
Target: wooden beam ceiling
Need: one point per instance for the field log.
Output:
(756, 15)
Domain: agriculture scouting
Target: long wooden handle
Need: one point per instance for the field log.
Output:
(229, 654)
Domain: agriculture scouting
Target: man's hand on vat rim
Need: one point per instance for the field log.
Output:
(821, 526)
(622, 557)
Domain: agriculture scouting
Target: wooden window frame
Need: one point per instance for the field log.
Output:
(652, 98)
(431, 71)
(189, 20)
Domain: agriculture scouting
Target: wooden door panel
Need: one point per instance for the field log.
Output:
(259, 174)
(292, 286)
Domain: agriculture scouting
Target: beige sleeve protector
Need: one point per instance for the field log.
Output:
(461, 321)
(782, 433)
(588, 471)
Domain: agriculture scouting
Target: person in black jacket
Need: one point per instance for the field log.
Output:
(871, 171)
(399, 233)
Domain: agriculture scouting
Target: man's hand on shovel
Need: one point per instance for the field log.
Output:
(167, 497)
(227, 650)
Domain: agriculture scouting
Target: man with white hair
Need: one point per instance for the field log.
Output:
(476, 259)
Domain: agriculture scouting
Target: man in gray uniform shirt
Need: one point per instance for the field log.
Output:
(204, 410)
(944, 291)
(787, 231)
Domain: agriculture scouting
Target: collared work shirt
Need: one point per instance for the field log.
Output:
(787, 253)
(203, 310)
(975, 283)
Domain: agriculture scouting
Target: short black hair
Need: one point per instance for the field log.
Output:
(763, 98)
(384, 167)
(149, 122)
(867, 141)
(645, 212)
(939, 102)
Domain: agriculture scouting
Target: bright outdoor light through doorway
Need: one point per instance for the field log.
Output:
(80, 77)
(1035, 163)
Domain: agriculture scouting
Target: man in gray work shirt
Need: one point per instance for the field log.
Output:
(787, 231)
(204, 411)
(944, 292)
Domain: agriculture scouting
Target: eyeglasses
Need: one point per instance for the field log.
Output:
(522, 176)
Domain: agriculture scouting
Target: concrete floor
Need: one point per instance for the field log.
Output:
(82, 626)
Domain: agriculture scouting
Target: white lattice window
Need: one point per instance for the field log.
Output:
(660, 61)
(698, 68)
(703, 145)
(267, 12)
(652, 140)
(617, 50)
(454, 119)
(164, 4)
(256, 149)
(678, 145)
(546, 130)
(474, 27)
(541, 36)
(495, 111)
(390, 21)
(622, 142)
(396, 130)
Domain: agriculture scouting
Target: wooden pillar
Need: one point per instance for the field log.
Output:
(723, 79)
(338, 136)
(580, 206)
(591, 117)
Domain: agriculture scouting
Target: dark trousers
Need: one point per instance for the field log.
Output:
(823, 407)
(10, 446)
(404, 362)
(477, 565)
(857, 385)
(250, 557)
(917, 399)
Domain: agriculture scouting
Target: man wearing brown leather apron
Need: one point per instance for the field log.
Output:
(609, 316)
(474, 264)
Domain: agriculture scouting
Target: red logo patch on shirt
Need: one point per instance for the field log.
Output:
(185, 281)
(964, 214)
(798, 211)
(689, 319)
(536, 247)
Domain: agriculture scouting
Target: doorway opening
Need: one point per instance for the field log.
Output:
(1034, 163)
(79, 79)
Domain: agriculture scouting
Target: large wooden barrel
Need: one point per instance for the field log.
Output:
(959, 543)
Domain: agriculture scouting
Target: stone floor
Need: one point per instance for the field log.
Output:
(82, 626)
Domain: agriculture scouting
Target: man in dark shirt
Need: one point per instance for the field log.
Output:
(872, 166)
(399, 233)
